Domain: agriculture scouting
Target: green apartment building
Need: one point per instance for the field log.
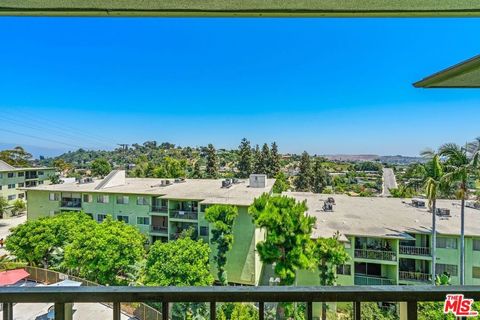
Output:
(12, 179)
(389, 239)
(163, 208)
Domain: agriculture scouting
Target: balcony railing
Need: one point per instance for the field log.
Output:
(375, 255)
(415, 251)
(159, 229)
(71, 203)
(156, 208)
(179, 214)
(364, 280)
(410, 295)
(414, 276)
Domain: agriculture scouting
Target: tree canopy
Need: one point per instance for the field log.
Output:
(303, 180)
(101, 167)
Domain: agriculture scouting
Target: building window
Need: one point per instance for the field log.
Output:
(123, 218)
(1, 175)
(143, 220)
(476, 244)
(11, 186)
(11, 197)
(21, 195)
(0, 187)
(204, 231)
(11, 174)
(40, 182)
(446, 243)
(448, 268)
(101, 217)
(476, 272)
(203, 207)
(89, 214)
(53, 196)
(102, 198)
(344, 269)
(87, 198)
(142, 201)
(40, 173)
(122, 199)
(21, 184)
(20, 174)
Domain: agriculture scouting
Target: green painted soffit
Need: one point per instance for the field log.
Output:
(240, 8)
(465, 74)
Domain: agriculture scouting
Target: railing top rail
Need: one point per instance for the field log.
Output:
(375, 250)
(234, 294)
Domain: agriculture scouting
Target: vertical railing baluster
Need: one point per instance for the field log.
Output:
(309, 310)
(213, 310)
(59, 311)
(116, 311)
(412, 310)
(357, 310)
(164, 310)
(7, 311)
(261, 310)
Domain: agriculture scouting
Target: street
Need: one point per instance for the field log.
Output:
(389, 181)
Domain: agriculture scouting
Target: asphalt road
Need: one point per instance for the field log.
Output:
(389, 181)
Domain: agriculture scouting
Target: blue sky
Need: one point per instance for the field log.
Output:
(321, 85)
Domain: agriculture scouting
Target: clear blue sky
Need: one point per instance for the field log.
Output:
(321, 85)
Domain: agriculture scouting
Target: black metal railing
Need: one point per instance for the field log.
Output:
(414, 276)
(159, 229)
(410, 295)
(188, 215)
(415, 251)
(375, 254)
(156, 208)
(71, 203)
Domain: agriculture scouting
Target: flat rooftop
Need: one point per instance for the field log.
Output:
(206, 191)
(383, 217)
(6, 167)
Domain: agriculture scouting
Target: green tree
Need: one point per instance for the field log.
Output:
(329, 254)
(183, 262)
(281, 183)
(274, 165)
(237, 311)
(461, 166)
(54, 179)
(212, 162)
(3, 207)
(16, 157)
(245, 161)
(61, 165)
(257, 161)
(222, 217)
(101, 167)
(197, 172)
(19, 206)
(36, 241)
(320, 177)
(287, 244)
(105, 253)
(303, 181)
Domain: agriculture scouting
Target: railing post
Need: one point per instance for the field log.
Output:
(59, 311)
(357, 310)
(7, 311)
(412, 310)
(164, 310)
(116, 311)
(213, 310)
(261, 310)
(309, 310)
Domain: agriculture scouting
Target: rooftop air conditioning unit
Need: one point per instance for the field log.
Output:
(331, 200)
(442, 212)
(473, 204)
(418, 203)
(227, 183)
(327, 206)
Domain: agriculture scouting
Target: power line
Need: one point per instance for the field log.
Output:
(40, 138)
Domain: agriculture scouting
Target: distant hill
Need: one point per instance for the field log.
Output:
(398, 159)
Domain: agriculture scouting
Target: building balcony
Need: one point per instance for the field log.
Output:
(187, 215)
(159, 209)
(71, 203)
(375, 255)
(415, 251)
(366, 280)
(414, 276)
(159, 229)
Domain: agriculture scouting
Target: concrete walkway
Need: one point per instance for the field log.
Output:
(389, 181)
(8, 223)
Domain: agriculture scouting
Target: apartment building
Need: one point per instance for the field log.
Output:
(13, 178)
(389, 239)
(163, 208)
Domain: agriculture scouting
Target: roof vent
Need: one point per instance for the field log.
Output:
(227, 183)
(418, 203)
(442, 212)
(473, 204)
(85, 180)
(179, 180)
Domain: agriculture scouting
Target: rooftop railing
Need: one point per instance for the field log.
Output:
(410, 295)
(415, 251)
(375, 254)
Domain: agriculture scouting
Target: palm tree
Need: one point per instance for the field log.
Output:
(461, 164)
(433, 181)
